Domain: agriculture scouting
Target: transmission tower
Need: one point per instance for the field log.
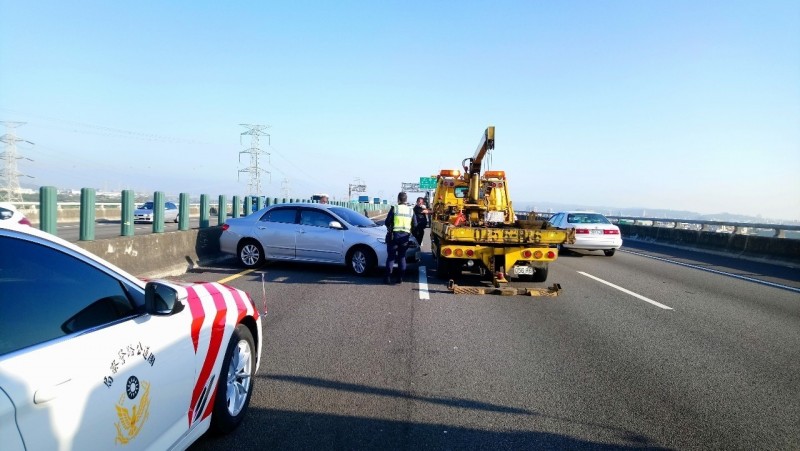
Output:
(285, 187)
(9, 176)
(255, 171)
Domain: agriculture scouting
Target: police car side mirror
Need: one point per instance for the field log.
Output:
(161, 299)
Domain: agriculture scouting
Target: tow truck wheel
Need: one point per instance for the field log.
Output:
(443, 270)
(540, 274)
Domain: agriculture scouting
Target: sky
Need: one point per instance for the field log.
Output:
(683, 105)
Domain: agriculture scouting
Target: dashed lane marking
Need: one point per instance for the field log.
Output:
(423, 284)
(636, 295)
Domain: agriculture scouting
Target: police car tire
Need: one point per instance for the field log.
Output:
(222, 421)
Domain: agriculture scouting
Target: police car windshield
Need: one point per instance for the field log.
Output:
(353, 217)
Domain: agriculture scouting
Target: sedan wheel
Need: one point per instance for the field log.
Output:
(609, 252)
(361, 261)
(250, 254)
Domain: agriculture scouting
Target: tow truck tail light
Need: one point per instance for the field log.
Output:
(581, 231)
(611, 232)
(447, 252)
(494, 174)
(537, 255)
(551, 255)
(526, 254)
(450, 173)
(470, 253)
(459, 253)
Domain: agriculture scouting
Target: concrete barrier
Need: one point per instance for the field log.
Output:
(756, 247)
(159, 254)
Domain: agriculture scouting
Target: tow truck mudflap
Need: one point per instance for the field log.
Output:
(552, 291)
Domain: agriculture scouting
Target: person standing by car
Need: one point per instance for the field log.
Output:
(323, 199)
(421, 213)
(398, 225)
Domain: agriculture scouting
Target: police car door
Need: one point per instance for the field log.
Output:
(83, 368)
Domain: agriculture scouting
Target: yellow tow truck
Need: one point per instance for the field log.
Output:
(474, 227)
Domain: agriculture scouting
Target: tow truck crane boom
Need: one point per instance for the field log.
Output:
(474, 166)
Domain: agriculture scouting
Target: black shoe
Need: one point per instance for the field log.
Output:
(399, 281)
(387, 281)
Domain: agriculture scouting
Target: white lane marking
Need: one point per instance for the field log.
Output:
(423, 284)
(639, 296)
(716, 271)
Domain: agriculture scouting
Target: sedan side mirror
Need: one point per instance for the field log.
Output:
(161, 299)
(336, 225)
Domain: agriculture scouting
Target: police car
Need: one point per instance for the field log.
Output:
(92, 357)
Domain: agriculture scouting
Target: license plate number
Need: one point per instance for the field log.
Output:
(518, 270)
(597, 232)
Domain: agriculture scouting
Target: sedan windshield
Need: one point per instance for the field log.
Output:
(353, 218)
(147, 206)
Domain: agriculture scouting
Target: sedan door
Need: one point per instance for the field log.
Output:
(277, 230)
(317, 240)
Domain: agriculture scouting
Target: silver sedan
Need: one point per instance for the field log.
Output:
(318, 233)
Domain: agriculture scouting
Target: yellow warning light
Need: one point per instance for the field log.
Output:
(495, 175)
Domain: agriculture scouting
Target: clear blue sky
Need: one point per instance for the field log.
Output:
(686, 105)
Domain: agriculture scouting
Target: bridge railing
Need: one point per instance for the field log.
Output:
(791, 231)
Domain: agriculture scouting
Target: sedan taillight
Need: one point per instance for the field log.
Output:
(581, 231)
(610, 232)
(225, 227)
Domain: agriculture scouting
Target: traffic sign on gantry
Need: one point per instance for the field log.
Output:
(426, 183)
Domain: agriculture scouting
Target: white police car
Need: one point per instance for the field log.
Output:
(93, 358)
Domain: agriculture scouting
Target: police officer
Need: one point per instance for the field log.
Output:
(398, 224)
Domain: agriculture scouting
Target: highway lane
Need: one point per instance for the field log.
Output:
(353, 364)
(111, 229)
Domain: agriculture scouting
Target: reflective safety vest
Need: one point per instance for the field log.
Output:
(402, 218)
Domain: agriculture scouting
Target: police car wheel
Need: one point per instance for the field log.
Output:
(236, 382)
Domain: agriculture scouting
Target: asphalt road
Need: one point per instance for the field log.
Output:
(651, 348)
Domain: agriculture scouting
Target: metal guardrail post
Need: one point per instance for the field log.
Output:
(222, 210)
(158, 212)
(268, 202)
(126, 215)
(183, 211)
(48, 214)
(204, 219)
(236, 207)
(260, 203)
(87, 214)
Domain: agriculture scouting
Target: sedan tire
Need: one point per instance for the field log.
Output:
(236, 382)
(361, 261)
(251, 254)
(609, 252)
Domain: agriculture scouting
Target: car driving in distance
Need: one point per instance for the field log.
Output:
(144, 213)
(306, 232)
(93, 358)
(593, 231)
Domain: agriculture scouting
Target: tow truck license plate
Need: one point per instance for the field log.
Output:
(523, 270)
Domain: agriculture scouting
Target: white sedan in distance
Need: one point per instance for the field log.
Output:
(593, 231)
(314, 233)
(93, 358)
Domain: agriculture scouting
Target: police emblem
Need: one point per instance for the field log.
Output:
(132, 419)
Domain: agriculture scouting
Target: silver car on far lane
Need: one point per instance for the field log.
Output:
(319, 233)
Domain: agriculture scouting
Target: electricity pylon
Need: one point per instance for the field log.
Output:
(255, 171)
(9, 176)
